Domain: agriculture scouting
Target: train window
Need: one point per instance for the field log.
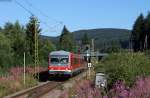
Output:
(59, 60)
(54, 60)
(64, 60)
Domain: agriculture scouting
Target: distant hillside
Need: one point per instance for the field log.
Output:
(103, 37)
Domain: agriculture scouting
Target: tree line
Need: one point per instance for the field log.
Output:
(140, 36)
(15, 39)
(68, 43)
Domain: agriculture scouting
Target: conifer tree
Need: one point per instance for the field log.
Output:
(66, 40)
(147, 26)
(85, 39)
(138, 34)
(31, 28)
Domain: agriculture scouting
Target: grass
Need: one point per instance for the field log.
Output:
(8, 86)
(4, 72)
(12, 80)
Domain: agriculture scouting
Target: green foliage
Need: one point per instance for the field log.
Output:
(125, 66)
(138, 34)
(66, 40)
(15, 40)
(18, 43)
(46, 48)
(114, 47)
(147, 27)
(8, 27)
(0, 29)
(5, 52)
(85, 39)
(31, 28)
(102, 37)
(15, 34)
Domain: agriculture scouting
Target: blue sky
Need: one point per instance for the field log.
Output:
(75, 14)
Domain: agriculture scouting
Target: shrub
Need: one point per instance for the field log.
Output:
(125, 66)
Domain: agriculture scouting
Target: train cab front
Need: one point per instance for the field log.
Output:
(59, 65)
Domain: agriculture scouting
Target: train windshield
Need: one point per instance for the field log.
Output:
(59, 60)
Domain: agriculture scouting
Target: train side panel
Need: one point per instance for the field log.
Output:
(77, 63)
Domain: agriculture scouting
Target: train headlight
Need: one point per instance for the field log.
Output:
(102, 85)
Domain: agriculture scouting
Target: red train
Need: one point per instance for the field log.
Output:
(65, 63)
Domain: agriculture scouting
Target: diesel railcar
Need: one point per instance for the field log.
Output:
(65, 63)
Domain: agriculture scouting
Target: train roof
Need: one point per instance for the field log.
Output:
(61, 52)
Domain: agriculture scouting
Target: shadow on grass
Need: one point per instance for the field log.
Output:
(45, 76)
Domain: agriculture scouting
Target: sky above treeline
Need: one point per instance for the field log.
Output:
(75, 14)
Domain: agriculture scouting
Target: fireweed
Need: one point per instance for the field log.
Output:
(14, 80)
(140, 89)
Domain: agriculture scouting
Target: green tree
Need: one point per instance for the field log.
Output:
(148, 30)
(138, 34)
(8, 27)
(5, 52)
(66, 40)
(46, 47)
(85, 39)
(18, 45)
(0, 29)
(31, 28)
(15, 33)
(114, 47)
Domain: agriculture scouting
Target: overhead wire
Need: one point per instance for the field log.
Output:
(23, 7)
(43, 14)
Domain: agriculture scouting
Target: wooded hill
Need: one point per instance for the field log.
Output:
(104, 38)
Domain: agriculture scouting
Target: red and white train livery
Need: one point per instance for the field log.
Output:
(65, 63)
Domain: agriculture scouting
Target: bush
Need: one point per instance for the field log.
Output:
(125, 66)
(5, 52)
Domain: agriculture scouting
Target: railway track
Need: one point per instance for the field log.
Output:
(37, 91)
(41, 90)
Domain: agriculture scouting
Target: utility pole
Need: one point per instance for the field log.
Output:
(92, 45)
(36, 57)
(24, 70)
(92, 49)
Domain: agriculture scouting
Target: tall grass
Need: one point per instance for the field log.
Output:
(10, 84)
(12, 80)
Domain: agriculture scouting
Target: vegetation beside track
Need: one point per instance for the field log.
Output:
(80, 86)
(13, 80)
(124, 66)
(126, 73)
